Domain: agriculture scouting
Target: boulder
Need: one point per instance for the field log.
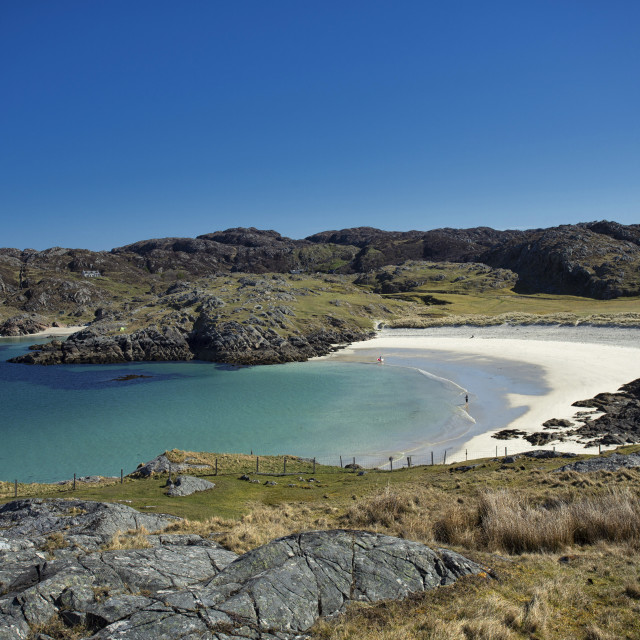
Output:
(186, 485)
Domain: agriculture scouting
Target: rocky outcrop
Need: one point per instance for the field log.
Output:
(24, 324)
(227, 342)
(161, 464)
(92, 346)
(240, 343)
(185, 587)
(612, 462)
(186, 485)
(620, 422)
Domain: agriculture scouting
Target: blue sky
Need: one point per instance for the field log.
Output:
(122, 120)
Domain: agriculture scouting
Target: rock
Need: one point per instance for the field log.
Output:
(540, 438)
(162, 464)
(557, 422)
(88, 346)
(187, 587)
(548, 453)
(620, 423)
(508, 434)
(612, 462)
(186, 485)
(24, 324)
(464, 468)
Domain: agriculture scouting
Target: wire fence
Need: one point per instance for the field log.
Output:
(250, 465)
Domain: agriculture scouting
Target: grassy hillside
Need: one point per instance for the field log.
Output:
(562, 547)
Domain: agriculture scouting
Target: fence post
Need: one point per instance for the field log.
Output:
(432, 458)
(74, 481)
(314, 465)
(354, 462)
(341, 462)
(15, 488)
(121, 476)
(391, 462)
(466, 454)
(257, 464)
(505, 452)
(284, 465)
(496, 451)
(444, 458)
(216, 466)
(409, 462)
(599, 449)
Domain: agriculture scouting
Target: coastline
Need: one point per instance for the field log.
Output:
(516, 377)
(51, 332)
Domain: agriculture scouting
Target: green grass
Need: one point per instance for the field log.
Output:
(585, 591)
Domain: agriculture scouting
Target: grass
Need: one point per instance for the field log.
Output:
(563, 547)
(132, 539)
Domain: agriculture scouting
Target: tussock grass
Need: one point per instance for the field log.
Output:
(131, 539)
(509, 523)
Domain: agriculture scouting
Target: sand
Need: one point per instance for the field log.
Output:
(51, 332)
(539, 371)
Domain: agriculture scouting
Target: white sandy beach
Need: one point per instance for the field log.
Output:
(572, 364)
(54, 331)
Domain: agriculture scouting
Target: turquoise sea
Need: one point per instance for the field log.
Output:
(60, 420)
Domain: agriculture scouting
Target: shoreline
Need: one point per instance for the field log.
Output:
(51, 332)
(521, 376)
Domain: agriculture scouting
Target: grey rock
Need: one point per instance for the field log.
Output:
(186, 485)
(186, 587)
(37, 517)
(162, 464)
(605, 463)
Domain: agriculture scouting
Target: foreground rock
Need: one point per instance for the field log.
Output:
(185, 587)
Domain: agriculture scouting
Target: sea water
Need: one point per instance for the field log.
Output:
(85, 419)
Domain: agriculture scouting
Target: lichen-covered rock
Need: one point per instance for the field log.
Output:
(186, 587)
(186, 485)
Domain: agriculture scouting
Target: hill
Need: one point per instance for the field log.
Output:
(254, 296)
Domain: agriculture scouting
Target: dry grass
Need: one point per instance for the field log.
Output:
(263, 524)
(54, 541)
(132, 539)
(58, 630)
(535, 597)
(509, 523)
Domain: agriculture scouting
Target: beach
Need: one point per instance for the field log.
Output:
(516, 377)
(51, 332)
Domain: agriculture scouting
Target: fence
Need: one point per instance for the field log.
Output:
(294, 465)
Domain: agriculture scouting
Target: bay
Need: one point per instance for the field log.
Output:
(60, 420)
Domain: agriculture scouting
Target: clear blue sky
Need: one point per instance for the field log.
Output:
(123, 120)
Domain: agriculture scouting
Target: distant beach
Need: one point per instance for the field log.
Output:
(516, 377)
(51, 332)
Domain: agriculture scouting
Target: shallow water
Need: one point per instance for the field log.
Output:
(60, 420)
